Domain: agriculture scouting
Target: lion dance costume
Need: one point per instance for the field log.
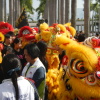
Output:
(79, 76)
(79, 79)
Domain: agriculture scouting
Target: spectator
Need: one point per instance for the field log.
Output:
(80, 38)
(7, 50)
(14, 86)
(34, 69)
(7, 42)
(43, 48)
(12, 35)
(16, 45)
(97, 35)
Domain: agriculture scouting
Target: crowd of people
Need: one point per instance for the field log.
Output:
(22, 70)
(19, 65)
(81, 36)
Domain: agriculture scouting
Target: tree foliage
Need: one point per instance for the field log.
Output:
(27, 4)
(41, 7)
(94, 7)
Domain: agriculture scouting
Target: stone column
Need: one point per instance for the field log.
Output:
(18, 7)
(2, 10)
(11, 12)
(55, 11)
(14, 13)
(73, 12)
(59, 11)
(46, 11)
(51, 12)
(86, 17)
(62, 11)
(5, 11)
(67, 11)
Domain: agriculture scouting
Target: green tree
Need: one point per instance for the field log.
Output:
(94, 8)
(41, 7)
(29, 17)
(27, 4)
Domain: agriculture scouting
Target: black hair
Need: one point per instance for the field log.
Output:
(43, 47)
(97, 34)
(40, 21)
(11, 33)
(80, 37)
(10, 62)
(32, 50)
(7, 48)
(7, 36)
(16, 40)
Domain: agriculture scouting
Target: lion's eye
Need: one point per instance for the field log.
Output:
(90, 79)
(25, 32)
(77, 66)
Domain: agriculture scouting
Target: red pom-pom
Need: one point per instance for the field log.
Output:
(23, 33)
(4, 31)
(29, 37)
(67, 28)
(55, 24)
(96, 43)
(6, 26)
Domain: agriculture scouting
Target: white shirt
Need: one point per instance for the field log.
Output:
(31, 71)
(7, 92)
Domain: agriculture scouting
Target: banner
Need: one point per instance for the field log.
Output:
(22, 20)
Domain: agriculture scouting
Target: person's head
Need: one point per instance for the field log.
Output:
(43, 47)
(80, 37)
(11, 68)
(81, 32)
(11, 61)
(31, 51)
(12, 35)
(8, 39)
(97, 34)
(7, 50)
(17, 44)
(40, 21)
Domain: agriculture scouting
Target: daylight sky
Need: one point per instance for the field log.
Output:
(36, 4)
(79, 3)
